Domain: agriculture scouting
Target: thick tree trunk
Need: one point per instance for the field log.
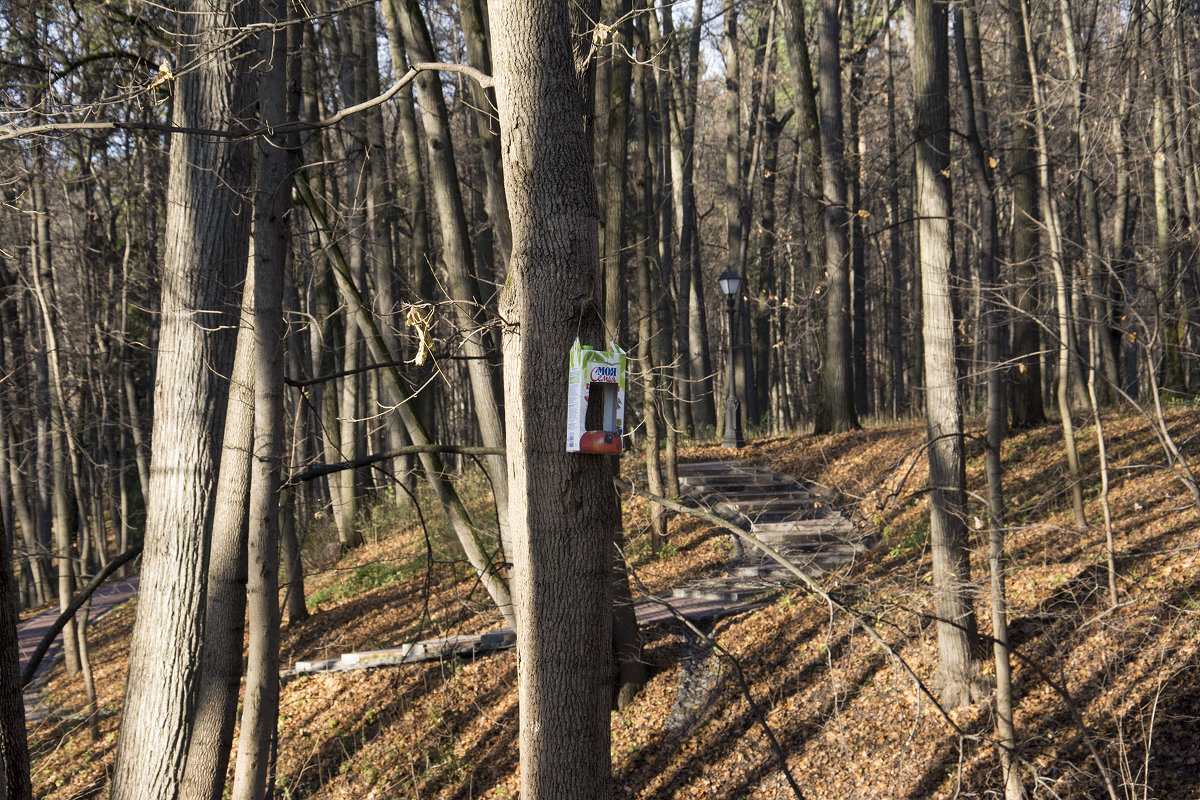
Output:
(563, 508)
(948, 532)
(206, 244)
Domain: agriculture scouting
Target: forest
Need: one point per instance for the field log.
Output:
(273, 270)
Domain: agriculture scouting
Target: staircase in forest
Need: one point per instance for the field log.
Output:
(796, 519)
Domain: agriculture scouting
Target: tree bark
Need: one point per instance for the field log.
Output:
(947, 477)
(562, 510)
(260, 706)
(1027, 409)
(220, 676)
(470, 314)
(835, 408)
(970, 70)
(804, 97)
(14, 748)
(206, 243)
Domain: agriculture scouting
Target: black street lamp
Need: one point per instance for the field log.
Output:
(731, 285)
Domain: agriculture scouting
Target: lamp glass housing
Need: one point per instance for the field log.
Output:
(730, 281)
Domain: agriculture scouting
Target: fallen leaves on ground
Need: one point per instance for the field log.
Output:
(851, 721)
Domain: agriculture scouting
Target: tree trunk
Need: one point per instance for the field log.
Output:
(835, 412)
(206, 243)
(970, 70)
(563, 508)
(1068, 364)
(473, 544)
(616, 145)
(1027, 409)
(220, 676)
(457, 253)
(895, 302)
(804, 97)
(273, 200)
(957, 679)
(14, 748)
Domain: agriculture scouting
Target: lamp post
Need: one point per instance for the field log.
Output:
(731, 284)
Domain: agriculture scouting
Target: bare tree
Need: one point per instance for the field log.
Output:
(562, 506)
(835, 408)
(943, 410)
(206, 244)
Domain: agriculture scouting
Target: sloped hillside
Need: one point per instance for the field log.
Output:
(1101, 692)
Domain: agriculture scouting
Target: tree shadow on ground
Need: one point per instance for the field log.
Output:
(729, 724)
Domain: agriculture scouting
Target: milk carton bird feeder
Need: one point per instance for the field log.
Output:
(595, 399)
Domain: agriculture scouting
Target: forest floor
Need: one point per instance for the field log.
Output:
(850, 719)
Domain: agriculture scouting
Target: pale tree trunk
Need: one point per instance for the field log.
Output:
(206, 243)
(1168, 206)
(695, 375)
(473, 544)
(463, 286)
(835, 407)
(614, 171)
(85, 668)
(563, 506)
(474, 19)
(1068, 364)
(646, 235)
(667, 307)
(970, 70)
(956, 679)
(422, 278)
(220, 677)
(14, 748)
(1100, 341)
(57, 512)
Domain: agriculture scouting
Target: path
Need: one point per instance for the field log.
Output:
(796, 519)
(30, 633)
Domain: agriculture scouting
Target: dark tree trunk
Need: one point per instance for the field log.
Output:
(14, 749)
(1027, 408)
(835, 407)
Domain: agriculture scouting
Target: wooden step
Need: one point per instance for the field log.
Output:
(835, 523)
(730, 589)
(752, 508)
(720, 467)
(753, 495)
(729, 480)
